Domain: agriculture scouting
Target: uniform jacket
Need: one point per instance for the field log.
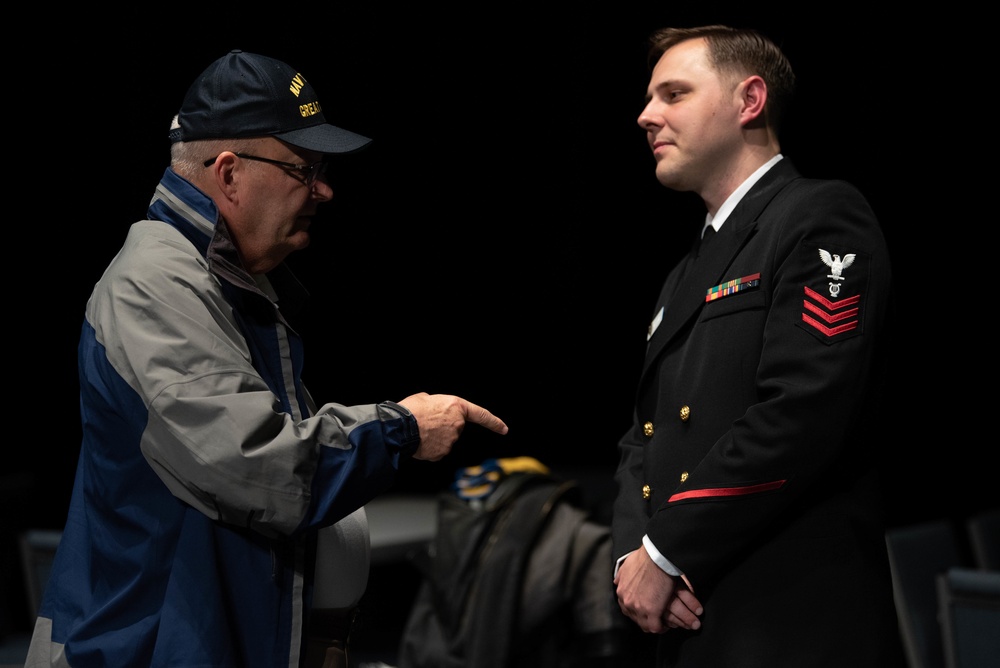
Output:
(205, 468)
(751, 463)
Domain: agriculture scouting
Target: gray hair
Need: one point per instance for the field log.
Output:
(188, 157)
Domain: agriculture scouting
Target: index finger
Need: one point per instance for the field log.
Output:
(481, 416)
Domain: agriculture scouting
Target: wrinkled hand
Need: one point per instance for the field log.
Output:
(653, 599)
(441, 418)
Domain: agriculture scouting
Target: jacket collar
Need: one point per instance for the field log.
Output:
(184, 206)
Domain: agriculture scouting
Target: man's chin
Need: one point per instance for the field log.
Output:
(668, 178)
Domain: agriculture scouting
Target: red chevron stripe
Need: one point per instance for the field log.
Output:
(833, 306)
(852, 313)
(830, 331)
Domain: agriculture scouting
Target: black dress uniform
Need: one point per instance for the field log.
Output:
(751, 464)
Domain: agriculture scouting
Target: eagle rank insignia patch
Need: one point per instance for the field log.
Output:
(833, 302)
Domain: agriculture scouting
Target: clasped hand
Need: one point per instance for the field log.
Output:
(652, 598)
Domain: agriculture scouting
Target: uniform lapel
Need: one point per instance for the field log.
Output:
(699, 274)
(684, 295)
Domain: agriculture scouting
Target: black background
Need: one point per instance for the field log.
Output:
(504, 237)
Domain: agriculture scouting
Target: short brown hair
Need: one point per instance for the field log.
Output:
(740, 52)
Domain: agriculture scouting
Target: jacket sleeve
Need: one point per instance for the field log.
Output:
(630, 512)
(215, 434)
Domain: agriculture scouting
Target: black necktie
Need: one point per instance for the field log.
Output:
(706, 239)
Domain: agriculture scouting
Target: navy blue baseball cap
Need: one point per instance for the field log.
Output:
(248, 95)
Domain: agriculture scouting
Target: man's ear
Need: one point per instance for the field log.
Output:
(223, 174)
(753, 93)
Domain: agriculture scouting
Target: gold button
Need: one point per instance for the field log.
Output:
(646, 492)
(685, 413)
(647, 429)
(684, 476)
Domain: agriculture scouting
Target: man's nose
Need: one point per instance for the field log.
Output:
(322, 190)
(646, 119)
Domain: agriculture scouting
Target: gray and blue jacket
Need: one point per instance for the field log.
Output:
(205, 469)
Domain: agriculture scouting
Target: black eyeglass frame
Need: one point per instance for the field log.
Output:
(310, 173)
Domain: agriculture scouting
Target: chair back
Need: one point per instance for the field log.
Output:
(918, 553)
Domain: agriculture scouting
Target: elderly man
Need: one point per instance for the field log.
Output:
(207, 473)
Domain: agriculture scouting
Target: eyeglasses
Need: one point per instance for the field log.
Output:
(309, 173)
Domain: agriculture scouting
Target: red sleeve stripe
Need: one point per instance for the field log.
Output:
(726, 491)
